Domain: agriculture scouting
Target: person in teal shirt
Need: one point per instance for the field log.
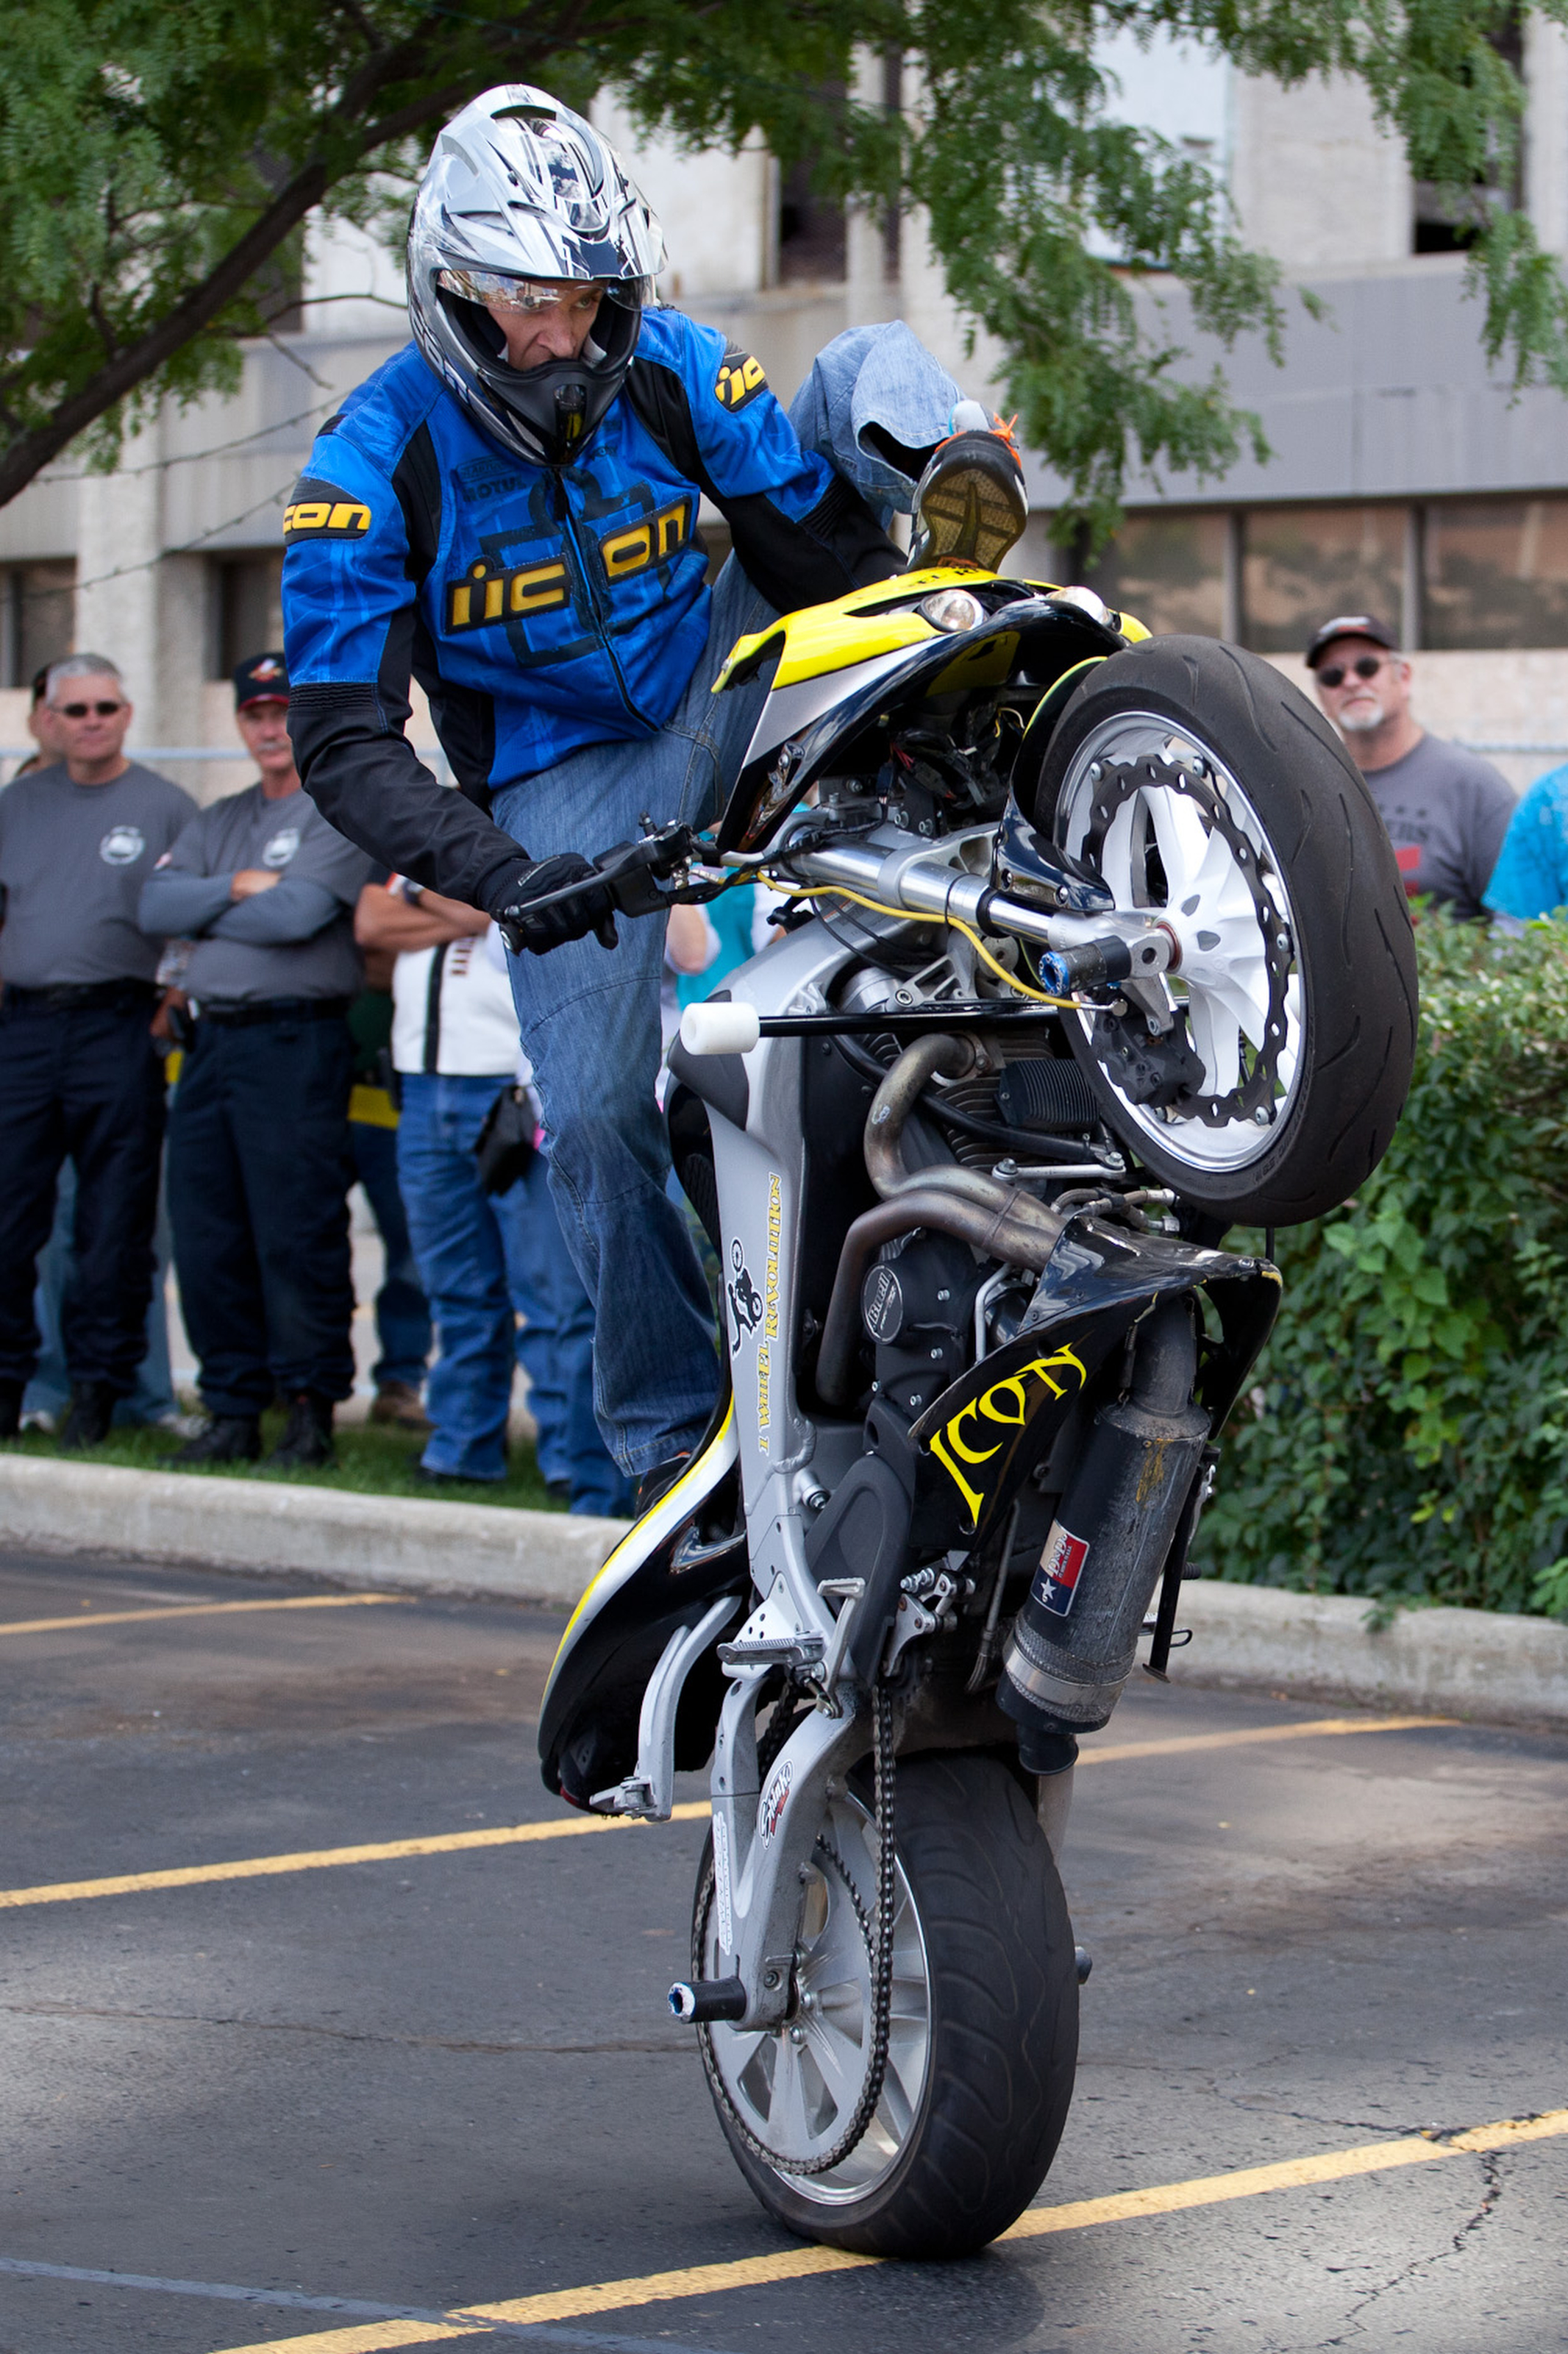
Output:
(1531, 878)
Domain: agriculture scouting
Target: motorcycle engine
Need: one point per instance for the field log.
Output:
(917, 1306)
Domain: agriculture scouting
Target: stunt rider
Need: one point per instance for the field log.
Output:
(507, 510)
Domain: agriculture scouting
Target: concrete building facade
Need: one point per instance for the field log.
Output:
(1404, 476)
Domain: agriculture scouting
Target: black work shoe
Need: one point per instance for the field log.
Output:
(88, 1417)
(10, 1408)
(306, 1443)
(559, 1491)
(427, 1479)
(228, 1438)
(656, 1483)
(970, 503)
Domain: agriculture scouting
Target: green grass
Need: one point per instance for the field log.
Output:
(371, 1461)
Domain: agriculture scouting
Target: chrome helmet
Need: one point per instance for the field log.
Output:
(520, 194)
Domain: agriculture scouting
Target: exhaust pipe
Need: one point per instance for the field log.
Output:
(1073, 1645)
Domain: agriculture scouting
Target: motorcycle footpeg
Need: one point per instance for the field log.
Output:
(700, 2001)
(1083, 1963)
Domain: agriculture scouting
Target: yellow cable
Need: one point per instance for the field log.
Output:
(905, 916)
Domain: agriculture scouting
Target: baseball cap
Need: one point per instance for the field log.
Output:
(1349, 625)
(262, 678)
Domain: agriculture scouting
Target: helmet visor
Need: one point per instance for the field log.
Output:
(536, 298)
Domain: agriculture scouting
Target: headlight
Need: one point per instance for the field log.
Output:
(1086, 602)
(952, 609)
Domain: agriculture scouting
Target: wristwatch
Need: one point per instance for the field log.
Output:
(411, 891)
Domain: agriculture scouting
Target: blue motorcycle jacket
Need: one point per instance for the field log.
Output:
(541, 609)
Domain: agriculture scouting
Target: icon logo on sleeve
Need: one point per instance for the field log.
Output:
(281, 847)
(320, 511)
(122, 845)
(739, 380)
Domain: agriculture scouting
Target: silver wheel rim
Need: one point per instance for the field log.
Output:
(1229, 961)
(795, 2087)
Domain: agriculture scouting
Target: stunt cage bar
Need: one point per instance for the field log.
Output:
(1078, 951)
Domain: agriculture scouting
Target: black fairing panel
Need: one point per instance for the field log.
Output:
(587, 1731)
(1032, 642)
(978, 1442)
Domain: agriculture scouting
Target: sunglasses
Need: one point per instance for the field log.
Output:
(81, 710)
(1336, 674)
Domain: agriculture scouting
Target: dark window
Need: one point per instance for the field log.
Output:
(1302, 565)
(38, 618)
(1496, 574)
(1168, 570)
(810, 229)
(247, 609)
(1440, 226)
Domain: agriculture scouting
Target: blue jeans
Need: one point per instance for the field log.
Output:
(402, 1317)
(591, 1020)
(484, 1258)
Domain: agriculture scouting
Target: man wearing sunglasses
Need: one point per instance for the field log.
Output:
(1447, 810)
(80, 1077)
(509, 511)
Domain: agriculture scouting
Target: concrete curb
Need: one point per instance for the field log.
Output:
(1315, 1647)
(262, 1524)
(1479, 1663)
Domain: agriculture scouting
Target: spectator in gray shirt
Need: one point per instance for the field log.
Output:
(80, 1077)
(259, 1161)
(1447, 810)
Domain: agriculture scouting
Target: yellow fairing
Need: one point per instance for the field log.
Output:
(826, 638)
(835, 637)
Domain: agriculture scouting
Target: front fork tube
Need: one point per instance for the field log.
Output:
(763, 1838)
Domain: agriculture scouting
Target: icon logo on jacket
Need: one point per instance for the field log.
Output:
(320, 511)
(739, 380)
(122, 845)
(281, 847)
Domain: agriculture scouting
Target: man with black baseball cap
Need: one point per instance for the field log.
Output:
(1447, 810)
(260, 1164)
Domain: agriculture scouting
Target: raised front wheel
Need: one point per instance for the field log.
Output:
(1264, 1075)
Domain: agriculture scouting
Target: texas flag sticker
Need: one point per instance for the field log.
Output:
(1056, 1579)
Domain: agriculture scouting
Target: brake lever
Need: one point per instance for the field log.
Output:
(634, 870)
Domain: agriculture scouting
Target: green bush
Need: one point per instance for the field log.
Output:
(1405, 1433)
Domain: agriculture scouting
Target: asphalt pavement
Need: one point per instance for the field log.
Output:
(261, 2092)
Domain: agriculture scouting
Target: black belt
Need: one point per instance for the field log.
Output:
(275, 1009)
(78, 996)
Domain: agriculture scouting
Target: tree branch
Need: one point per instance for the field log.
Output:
(134, 363)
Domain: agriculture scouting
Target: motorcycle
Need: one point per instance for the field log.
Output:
(1095, 947)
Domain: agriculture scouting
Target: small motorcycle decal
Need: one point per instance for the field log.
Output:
(1055, 1583)
(1009, 1402)
(745, 1300)
(776, 1798)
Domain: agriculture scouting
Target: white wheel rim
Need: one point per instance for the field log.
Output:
(1223, 977)
(794, 2087)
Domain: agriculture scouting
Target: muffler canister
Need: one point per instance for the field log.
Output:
(1073, 1645)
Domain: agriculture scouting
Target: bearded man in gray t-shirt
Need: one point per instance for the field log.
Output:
(1447, 810)
(80, 1076)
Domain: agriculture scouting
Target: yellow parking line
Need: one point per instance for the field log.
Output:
(193, 1610)
(263, 1867)
(801, 2264)
(1248, 1733)
(266, 1867)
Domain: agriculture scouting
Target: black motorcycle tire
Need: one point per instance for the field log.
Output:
(1354, 947)
(1003, 1992)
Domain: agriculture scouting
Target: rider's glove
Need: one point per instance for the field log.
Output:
(525, 926)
